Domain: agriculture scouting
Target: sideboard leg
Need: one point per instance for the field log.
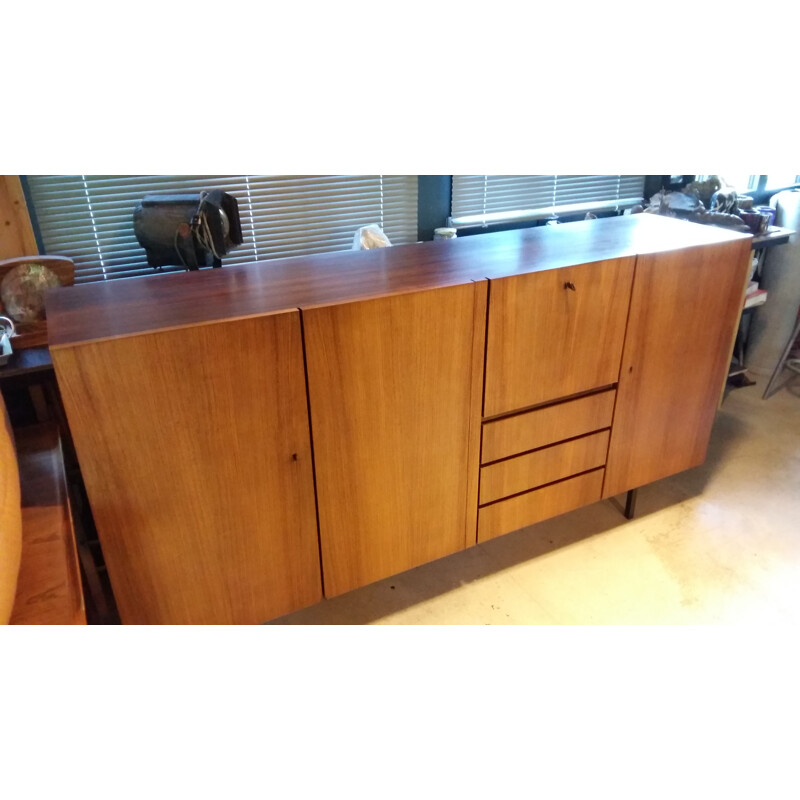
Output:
(630, 504)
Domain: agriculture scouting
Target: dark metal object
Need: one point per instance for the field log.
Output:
(630, 503)
(785, 362)
(187, 230)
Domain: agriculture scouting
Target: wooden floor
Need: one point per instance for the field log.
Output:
(716, 544)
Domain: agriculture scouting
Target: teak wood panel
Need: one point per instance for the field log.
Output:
(108, 309)
(195, 449)
(543, 426)
(540, 504)
(395, 390)
(549, 464)
(547, 340)
(684, 310)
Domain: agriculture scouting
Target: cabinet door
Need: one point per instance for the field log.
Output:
(394, 388)
(555, 333)
(194, 445)
(684, 312)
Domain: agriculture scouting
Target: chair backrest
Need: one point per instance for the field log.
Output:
(10, 517)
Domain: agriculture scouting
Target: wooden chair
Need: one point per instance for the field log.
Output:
(39, 574)
(10, 518)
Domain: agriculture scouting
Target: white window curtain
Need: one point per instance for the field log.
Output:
(741, 182)
(781, 179)
(755, 183)
(487, 199)
(89, 218)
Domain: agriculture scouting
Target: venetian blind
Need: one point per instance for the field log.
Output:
(89, 218)
(485, 199)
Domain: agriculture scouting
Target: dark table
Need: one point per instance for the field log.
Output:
(774, 235)
(27, 362)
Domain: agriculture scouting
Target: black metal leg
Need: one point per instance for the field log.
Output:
(782, 363)
(630, 504)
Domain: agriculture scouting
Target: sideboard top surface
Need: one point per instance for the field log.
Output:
(111, 309)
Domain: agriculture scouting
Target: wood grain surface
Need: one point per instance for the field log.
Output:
(195, 450)
(395, 411)
(685, 307)
(16, 231)
(186, 396)
(107, 309)
(49, 587)
(547, 465)
(10, 517)
(519, 433)
(540, 504)
(546, 341)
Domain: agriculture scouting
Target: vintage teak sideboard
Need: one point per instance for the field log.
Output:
(258, 437)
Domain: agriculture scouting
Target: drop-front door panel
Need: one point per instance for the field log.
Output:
(395, 393)
(684, 311)
(555, 333)
(195, 448)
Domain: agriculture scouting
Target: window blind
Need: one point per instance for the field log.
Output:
(484, 199)
(89, 218)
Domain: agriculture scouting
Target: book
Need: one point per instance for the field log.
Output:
(755, 298)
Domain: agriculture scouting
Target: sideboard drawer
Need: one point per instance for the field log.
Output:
(515, 475)
(544, 426)
(540, 504)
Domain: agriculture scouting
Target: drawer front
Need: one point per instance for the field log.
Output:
(544, 426)
(555, 333)
(540, 504)
(543, 466)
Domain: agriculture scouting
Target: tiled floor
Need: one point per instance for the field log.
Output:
(716, 544)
